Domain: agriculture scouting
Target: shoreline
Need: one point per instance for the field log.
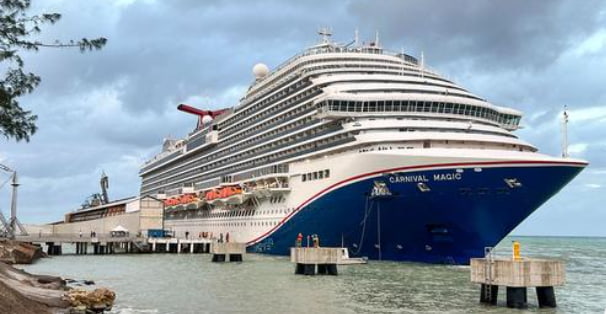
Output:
(24, 293)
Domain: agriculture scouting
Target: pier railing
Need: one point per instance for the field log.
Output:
(77, 237)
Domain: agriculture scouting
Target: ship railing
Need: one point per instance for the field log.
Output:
(270, 170)
(284, 107)
(362, 108)
(290, 131)
(336, 49)
(173, 192)
(76, 237)
(216, 182)
(342, 139)
(158, 159)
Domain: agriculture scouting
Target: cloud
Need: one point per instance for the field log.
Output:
(492, 36)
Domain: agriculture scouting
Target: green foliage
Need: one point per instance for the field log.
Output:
(15, 27)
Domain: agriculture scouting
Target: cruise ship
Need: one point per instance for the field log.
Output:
(368, 149)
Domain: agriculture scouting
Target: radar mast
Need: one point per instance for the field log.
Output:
(325, 32)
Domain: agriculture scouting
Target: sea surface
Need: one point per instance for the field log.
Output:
(190, 283)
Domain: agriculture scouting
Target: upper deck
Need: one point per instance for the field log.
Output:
(326, 82)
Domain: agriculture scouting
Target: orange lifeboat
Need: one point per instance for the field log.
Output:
(222, 192)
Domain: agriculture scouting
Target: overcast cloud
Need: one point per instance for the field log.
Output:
(109, 110)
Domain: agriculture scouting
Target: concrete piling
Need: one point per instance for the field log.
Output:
(517, 297)
(221, 250)
(218, 258)
(53, 249)
(517, 275)
(488, 294)
(81, 248)
(546, 297)
(308, 258)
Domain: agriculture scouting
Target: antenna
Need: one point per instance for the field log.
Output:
(403, 59)
(422, 64)
(565, 133)
(325, 32)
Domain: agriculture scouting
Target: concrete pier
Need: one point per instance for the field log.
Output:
(517, 276)
(307, 259)
(101, 243)
(53, 249)
(234, 250)
(107, 244)
(177, 245)
(81, 248)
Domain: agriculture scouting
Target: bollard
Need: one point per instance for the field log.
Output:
(516, 251)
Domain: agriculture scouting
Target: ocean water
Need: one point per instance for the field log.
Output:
(190, 283)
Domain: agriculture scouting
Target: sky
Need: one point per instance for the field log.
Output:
(109, 110)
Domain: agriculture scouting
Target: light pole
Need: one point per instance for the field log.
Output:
(13, 222)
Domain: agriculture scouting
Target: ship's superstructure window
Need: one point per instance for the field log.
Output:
(412, 106)
(316, 175)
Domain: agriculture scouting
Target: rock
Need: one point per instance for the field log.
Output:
(79, 282)
(79, 309)
(99, 299)
(15, 252)
(35, 294)
(47, 290)
(99, 307)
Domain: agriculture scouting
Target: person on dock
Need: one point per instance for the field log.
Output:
(316, 240)
(186, 234)
(227, 237)
(299, 240)
(80, 233)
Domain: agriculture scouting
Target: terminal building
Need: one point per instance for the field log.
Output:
(135, 214)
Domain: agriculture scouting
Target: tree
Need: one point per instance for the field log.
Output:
(15, 29)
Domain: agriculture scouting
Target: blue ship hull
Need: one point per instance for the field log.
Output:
(463, 212)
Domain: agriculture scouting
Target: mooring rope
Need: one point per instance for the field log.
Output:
(367, 210)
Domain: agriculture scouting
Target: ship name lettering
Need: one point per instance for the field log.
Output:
(406, 179)
(447, 176)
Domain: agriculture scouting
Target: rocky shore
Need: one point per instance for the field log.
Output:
(25, 293)
(15, 252)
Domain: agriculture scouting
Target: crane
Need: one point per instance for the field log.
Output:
(11, 226)
(97, 199)
(104, 186)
